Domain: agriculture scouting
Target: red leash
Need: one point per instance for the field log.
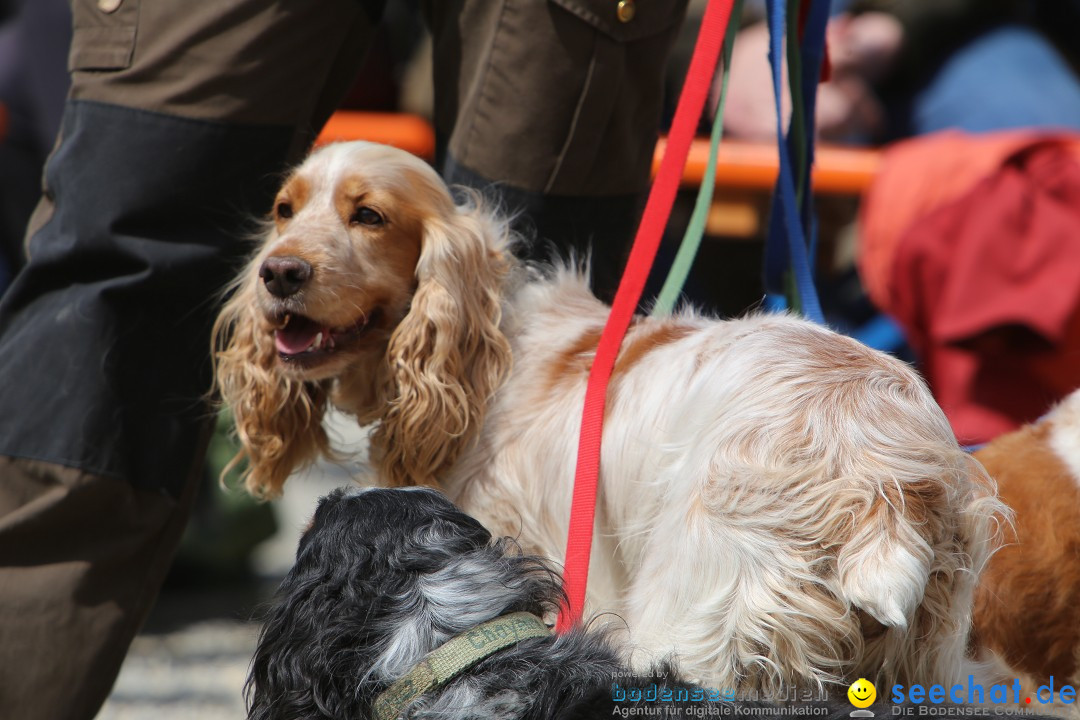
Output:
(662, 196)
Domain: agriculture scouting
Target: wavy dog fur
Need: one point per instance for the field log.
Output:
(382, 577)
(778, 504)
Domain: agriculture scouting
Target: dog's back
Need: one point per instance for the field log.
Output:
(778, 504)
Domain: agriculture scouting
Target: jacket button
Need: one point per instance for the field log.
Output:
(625, 10)
(108, 6)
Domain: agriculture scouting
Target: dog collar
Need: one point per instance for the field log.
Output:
(456, 654)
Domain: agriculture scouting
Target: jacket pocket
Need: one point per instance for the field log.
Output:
(103, 36)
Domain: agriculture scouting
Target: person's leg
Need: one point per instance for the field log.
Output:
(559, 103)
(181, 117)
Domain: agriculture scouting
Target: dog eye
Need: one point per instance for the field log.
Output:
(366, 216)
(283, 210)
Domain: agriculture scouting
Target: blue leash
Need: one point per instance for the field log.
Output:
(788, 252)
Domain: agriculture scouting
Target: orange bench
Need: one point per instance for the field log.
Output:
(745, 171)
(408, 132)
(837, 170)
(753, 166)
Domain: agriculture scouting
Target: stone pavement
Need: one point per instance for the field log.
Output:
(192, 657)
(196, 671)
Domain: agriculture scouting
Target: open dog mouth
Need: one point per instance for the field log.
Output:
(303, 341)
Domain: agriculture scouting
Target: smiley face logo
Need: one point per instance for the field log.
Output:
(862, 693)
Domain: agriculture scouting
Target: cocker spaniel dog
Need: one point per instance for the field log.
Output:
(401, 605)
(778, 504)
(1027, 604)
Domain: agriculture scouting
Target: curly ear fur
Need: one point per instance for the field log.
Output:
(448, 356)
(278, 419)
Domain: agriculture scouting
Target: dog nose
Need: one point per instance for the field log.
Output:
(284, 276)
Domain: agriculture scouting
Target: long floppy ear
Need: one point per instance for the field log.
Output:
(278, 419)
(448, 356)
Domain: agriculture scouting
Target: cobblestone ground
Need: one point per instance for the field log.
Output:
(191, 660)
(194, 672)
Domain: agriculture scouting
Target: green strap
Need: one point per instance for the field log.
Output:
(456, 654)
(695, 230)
(798, 104)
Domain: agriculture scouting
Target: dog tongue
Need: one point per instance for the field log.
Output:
(297, 335)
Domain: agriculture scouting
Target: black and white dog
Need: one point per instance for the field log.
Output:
(387, 582)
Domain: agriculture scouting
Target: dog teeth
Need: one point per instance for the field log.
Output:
(316, 344)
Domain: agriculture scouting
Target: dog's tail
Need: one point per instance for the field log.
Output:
(885, 566)
(917, 548)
